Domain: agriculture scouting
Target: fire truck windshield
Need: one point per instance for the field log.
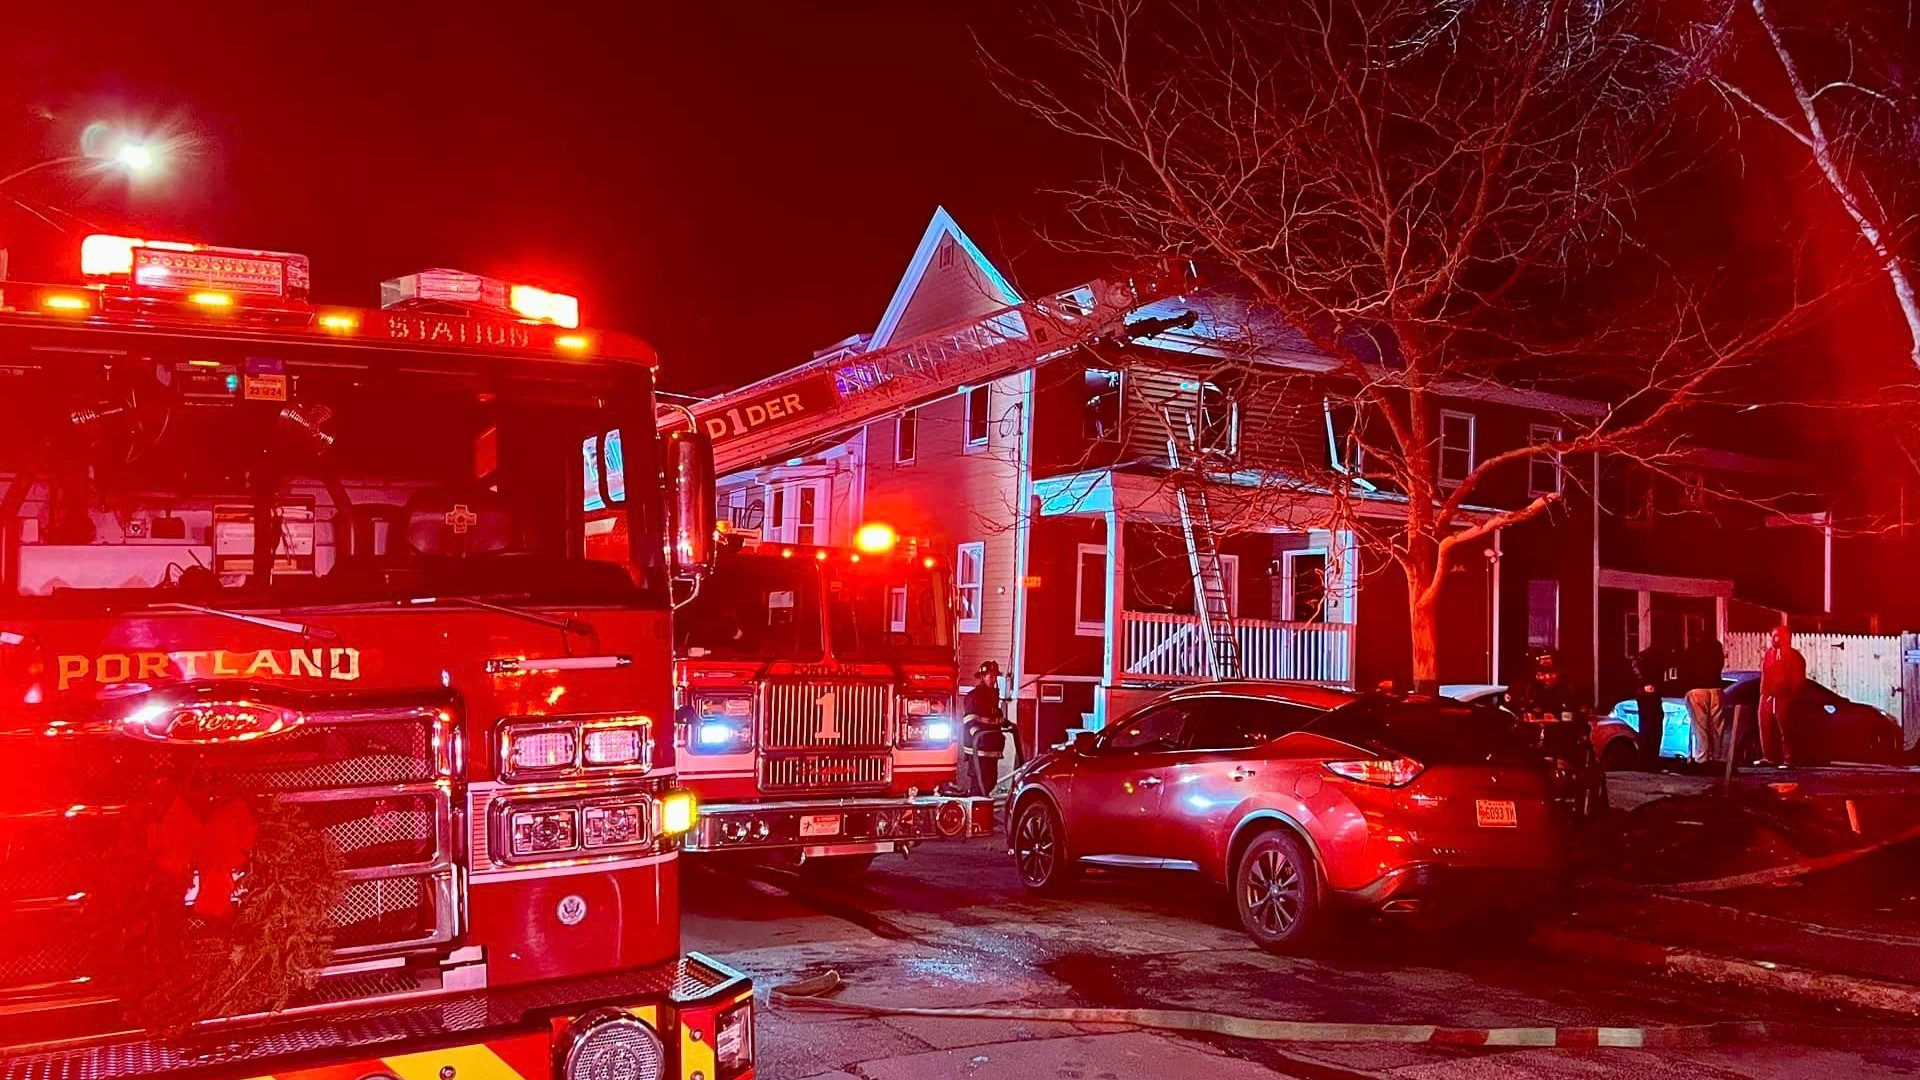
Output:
(882, 611)
(762, 605)
(754, 606)
(228, 481)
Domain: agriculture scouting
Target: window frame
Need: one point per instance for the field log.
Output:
(1537, 434)
(977, 550)
(1081, 626)
(1289, 576)
(1112, 731)
(1472, 447)
(897, 610)
(970, 444)
(1197, 721)
(1558, 610)
(906, 449)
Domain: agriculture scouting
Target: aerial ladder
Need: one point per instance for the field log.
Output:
(814, 403)
(810, 405)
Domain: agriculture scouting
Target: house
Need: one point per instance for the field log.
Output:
(1053, 493)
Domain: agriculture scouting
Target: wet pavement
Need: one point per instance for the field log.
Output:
(952, 928)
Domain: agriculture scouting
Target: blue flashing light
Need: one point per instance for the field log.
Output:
(233, 383)
(939, 731)
(713, 735)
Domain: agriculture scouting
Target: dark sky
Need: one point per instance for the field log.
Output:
(739, 182)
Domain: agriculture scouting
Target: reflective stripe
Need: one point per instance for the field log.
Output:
(467, 1062)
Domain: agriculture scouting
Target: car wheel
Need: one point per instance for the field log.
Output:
(1040, 849)
(1276, 893)
(836, 869)
(1620, 756)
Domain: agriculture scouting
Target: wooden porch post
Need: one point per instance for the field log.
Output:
(1114, 653)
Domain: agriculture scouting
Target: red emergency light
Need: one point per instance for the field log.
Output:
(194, 270)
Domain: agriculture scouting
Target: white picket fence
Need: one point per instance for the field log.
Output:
(1173, 648)
(1866, 668)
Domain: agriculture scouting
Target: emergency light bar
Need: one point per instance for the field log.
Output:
(473, 290)
(195, 270)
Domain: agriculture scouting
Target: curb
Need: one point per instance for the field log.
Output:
(1825, 987)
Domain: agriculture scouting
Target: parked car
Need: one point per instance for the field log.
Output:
(1616, 740)
(1299, 799)
(1824, 727)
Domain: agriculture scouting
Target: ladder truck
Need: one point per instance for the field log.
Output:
(815, 686)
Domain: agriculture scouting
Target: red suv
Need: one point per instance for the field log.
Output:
(1299, 798)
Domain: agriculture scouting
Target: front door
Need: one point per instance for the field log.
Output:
(1119, 788)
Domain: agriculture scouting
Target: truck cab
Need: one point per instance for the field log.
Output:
(815, 702)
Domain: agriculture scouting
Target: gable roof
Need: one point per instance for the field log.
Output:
(931, 295)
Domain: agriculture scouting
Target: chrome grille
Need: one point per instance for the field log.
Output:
(825, 715)
(375, 779)
(825, 772)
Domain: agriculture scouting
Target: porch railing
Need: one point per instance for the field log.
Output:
(1172, 648)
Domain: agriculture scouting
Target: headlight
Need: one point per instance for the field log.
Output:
(542, 832)
(926, 722)
(535, 749)
(613, 824)
(610, 1044)
(676, 812)
(722, 723)
(559, 747)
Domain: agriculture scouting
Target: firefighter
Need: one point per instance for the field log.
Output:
(983, 731)
(1544, 695)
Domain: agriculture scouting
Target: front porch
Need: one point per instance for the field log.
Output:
(1290, 586)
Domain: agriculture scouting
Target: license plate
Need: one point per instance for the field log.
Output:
(1495, 813)
(829, 824)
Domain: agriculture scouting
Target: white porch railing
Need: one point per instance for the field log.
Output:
(1173, 648)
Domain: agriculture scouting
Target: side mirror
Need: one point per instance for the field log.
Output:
(690, 503)
(1083, 741)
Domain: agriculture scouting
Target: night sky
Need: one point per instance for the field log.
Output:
(741, 183)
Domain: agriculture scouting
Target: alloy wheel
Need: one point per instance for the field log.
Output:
(1035, 847)
(1274, 892)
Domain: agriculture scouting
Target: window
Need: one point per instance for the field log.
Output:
(946, 253)
(1630, 634)
(906, 433)
(969, 584)
(1090, 591)
(1154, 729)
(979, 400)
(1543, 614)
(777, 517)
(1223, 723)
(1217, 425)
(803, 531)
(1304, 586)
(1693, 491)
(1102, 417)
(1456, 446)
(1543, 470)
(897, 610)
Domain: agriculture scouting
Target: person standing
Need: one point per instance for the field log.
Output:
(983, 732)
(1706, 700)
(1783, 675)
(1652, 669)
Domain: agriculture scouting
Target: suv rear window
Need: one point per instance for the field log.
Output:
(1431, 732)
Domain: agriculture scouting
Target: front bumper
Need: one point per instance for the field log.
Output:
(1442, 888)
(507, 1033)
(838, 823)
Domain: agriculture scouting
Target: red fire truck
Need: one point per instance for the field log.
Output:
(817, 685)
(302, 602)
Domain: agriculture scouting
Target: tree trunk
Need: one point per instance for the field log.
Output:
(1424, 626)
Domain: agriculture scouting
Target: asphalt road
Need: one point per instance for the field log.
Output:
(951, 927)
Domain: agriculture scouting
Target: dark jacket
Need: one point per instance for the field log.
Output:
(1705, 661)
(983, 701)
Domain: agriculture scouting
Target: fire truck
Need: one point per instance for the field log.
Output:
(301, 601)
(815, 685)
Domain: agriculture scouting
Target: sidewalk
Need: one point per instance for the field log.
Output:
(1745, 890)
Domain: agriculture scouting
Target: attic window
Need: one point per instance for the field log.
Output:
(946, 253)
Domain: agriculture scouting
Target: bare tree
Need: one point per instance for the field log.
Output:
(1843, 92)
(1442, 196)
